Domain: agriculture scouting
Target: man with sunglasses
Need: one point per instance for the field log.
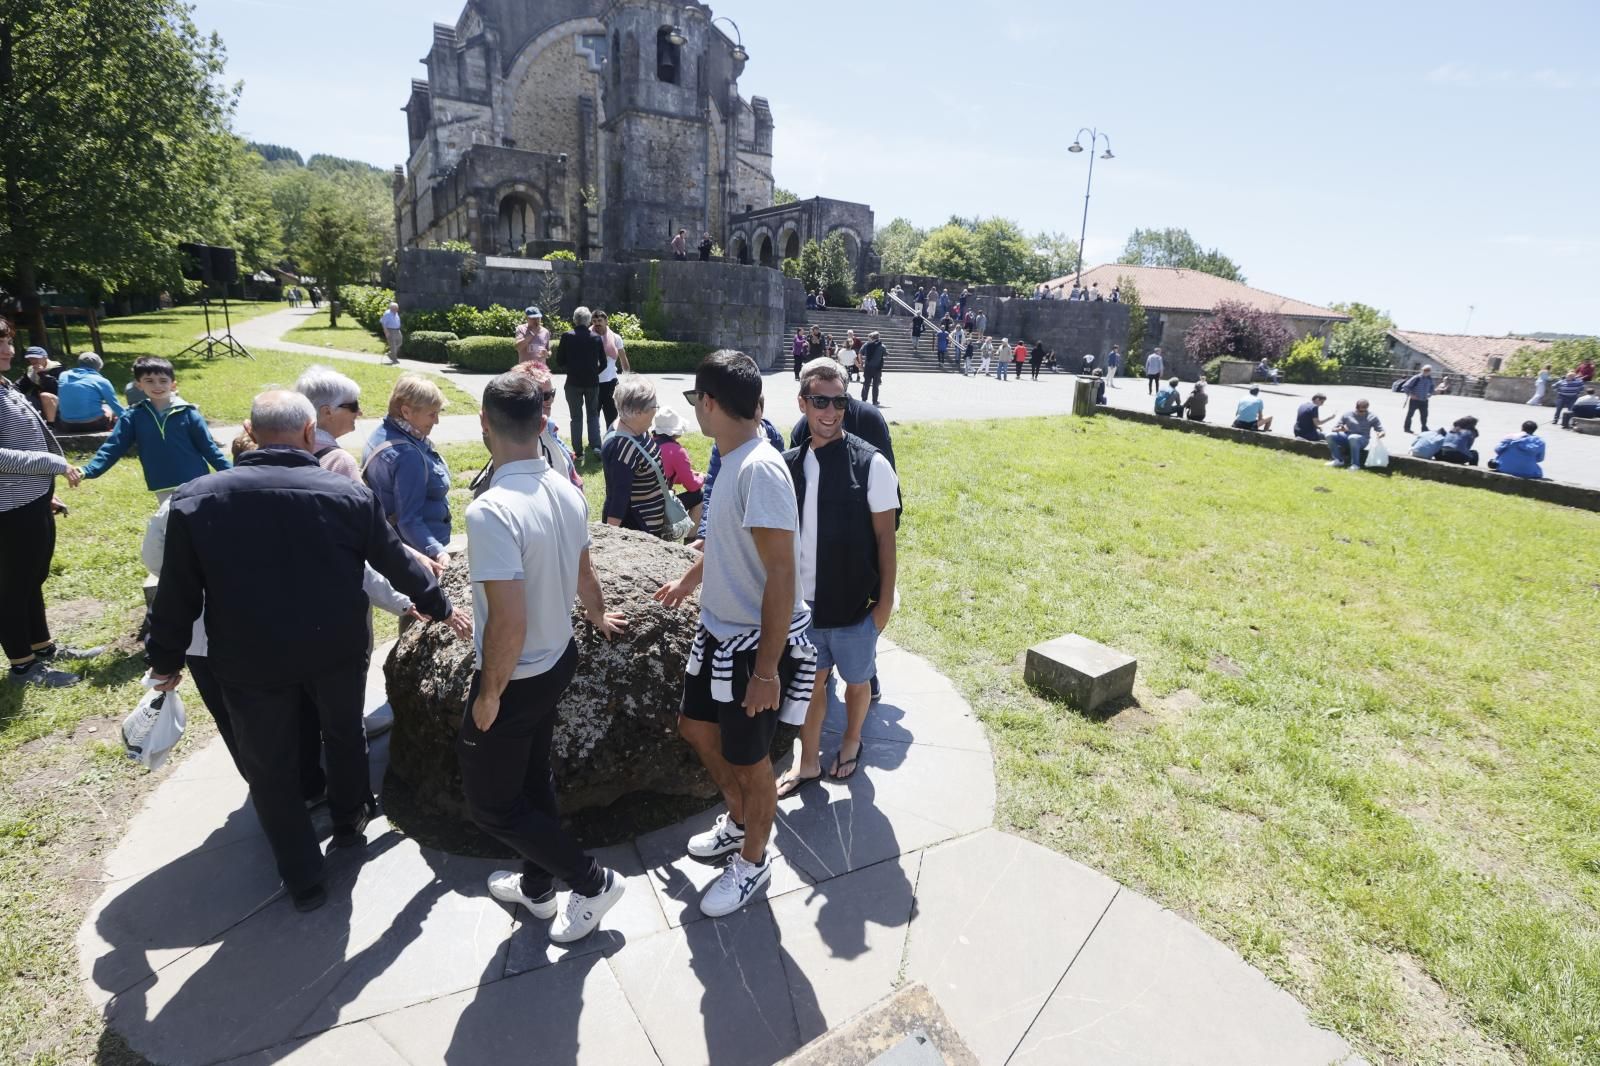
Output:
(750, 656)
(847, 578)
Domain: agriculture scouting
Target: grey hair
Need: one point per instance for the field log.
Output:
(634, 395)
(280, 411)
(91, 360)
(824, 367)
(326, 388)
(581, 317)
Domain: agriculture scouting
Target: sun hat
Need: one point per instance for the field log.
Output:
(668, 423)
(534, 312)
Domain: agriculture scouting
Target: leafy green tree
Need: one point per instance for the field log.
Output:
(1562, 356)
(1236, 330)
(274, 152)
(1362, 341)
(780, 195)
(1057, 255)
(897, 245)
(1138, 321)
(113, 123)
(1006, 255)
(244, 218)
(811, 265)
(1306, 365)
(1174, 247)
(838, 280)
(336, 247)
(951, 251)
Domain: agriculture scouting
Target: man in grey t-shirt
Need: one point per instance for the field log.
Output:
(1350, 438)
(742, 661)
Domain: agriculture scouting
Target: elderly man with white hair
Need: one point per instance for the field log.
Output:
(274, 552)
(391, 331)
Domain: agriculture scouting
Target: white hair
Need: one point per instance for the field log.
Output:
(581, 317)
(91, 360)
(280, 411)
(326, 388)
(634, 395)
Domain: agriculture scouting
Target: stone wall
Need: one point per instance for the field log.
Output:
(1516, 390)
(1068, 329)
(428, 279)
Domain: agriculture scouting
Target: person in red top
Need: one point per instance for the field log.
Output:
(1020, 355)
(666, 429)
(1586, 370)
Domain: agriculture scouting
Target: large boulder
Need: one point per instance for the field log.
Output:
(617, 733)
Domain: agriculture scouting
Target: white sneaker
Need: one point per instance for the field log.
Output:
(1334, 462)
(506, 886)
(739, 881)
(723, 836)
(583, 913)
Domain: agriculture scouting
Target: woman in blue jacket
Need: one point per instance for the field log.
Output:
(1520, 456)
(408, 476)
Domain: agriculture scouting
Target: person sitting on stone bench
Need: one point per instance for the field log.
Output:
(1307, 426)
(1264, 371)
(1457, 446)
(1249, 414)
(1349, 438)
(1195, 405)
(1520, 456)
(1585, 406)
(88, 403)
(1168, 403)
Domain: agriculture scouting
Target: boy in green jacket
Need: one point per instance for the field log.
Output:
(175, 445)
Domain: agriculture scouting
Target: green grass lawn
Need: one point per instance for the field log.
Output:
(1363, 753)
(223, 387)
(347, 336)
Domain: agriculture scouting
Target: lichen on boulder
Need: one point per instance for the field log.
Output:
(617, 732)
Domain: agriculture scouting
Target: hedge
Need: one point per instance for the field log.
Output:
(427, 346)
(666, 357)
(483, 355)
(366, 304)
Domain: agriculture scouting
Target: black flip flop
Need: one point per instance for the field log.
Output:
(797, 783)
(840, 762)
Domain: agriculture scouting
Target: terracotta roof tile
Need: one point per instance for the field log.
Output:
(1176, 289)
(1464, 354)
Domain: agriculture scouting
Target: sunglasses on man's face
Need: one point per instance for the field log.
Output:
(692, 396)
(547, 397)
(822, 403)
(354, 407)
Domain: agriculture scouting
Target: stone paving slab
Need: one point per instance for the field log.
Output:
(998, 922)
(575, 1012)
(845, 938)
(716, 991)
(1146, 974)
(345, 1046)
(679, 879)
(636, 915)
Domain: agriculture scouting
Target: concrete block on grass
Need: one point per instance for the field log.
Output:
(1083, 672)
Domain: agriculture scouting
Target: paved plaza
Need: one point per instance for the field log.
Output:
(896, 875)
(1570, 457)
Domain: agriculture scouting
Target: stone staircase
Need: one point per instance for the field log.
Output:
(894, 331)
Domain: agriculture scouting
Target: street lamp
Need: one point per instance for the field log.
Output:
(676, 35)
(1075, 147)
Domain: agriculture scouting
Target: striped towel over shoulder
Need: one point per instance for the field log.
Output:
(796, 697)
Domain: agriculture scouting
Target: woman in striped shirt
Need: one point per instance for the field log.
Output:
(634, 496)
(30, 459)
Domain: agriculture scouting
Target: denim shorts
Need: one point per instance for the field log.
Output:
(852, 650)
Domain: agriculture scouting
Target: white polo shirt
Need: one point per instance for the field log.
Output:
(530, 525)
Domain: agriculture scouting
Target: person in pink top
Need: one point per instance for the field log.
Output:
(667, 428)
(532, 339)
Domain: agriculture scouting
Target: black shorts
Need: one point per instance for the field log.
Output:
(746, 739)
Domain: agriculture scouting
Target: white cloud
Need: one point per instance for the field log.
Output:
(1450, 74)
(1543, 78)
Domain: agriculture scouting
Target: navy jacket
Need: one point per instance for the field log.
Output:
(273, 550)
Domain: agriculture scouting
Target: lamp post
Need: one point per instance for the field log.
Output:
(676, 35)
(1075, 147)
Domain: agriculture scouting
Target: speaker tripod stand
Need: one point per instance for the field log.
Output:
(209, 344)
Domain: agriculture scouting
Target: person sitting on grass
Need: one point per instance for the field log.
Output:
(88, 403)
(1307, 426)
(1168, 402)
(1458, 442)
(1520, 456)
(175, 446)
(40, 383)
(1349, 438)
(1248, 415)
(1195, 406)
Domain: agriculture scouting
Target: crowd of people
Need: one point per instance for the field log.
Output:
(782, 604)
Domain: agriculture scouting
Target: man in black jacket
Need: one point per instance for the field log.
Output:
(273, 550)
(846, 567)
(872, 356)
(583, 356)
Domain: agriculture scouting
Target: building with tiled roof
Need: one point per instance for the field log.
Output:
(1456, 352)
(1175, 298)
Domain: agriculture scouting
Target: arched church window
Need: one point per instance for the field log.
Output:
(668, 56)
(519, 223)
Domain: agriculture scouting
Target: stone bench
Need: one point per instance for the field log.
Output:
(1083, 672)
(82, 442)
(1586, 425)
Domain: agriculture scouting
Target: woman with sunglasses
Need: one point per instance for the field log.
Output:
(337, 399)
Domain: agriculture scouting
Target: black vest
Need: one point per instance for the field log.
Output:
(847, 546)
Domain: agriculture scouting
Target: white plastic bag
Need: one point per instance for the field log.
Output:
(153, 728)
(1377, 454)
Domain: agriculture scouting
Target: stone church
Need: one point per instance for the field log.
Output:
(596, 125)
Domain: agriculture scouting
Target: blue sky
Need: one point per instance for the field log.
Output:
(1421, 157)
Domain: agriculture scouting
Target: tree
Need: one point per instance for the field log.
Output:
(780, 195)
(1006, 256)
(274, 152)
(1562, 356)
(838, 280)
(1057, 253)
(897, 245)
(1306, 365)
(950, 251)
(811, 266)
(1176, 248)
(1362, 341)
(336, 247)
(113, 124)
(1237, 331)
(1138, 322)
